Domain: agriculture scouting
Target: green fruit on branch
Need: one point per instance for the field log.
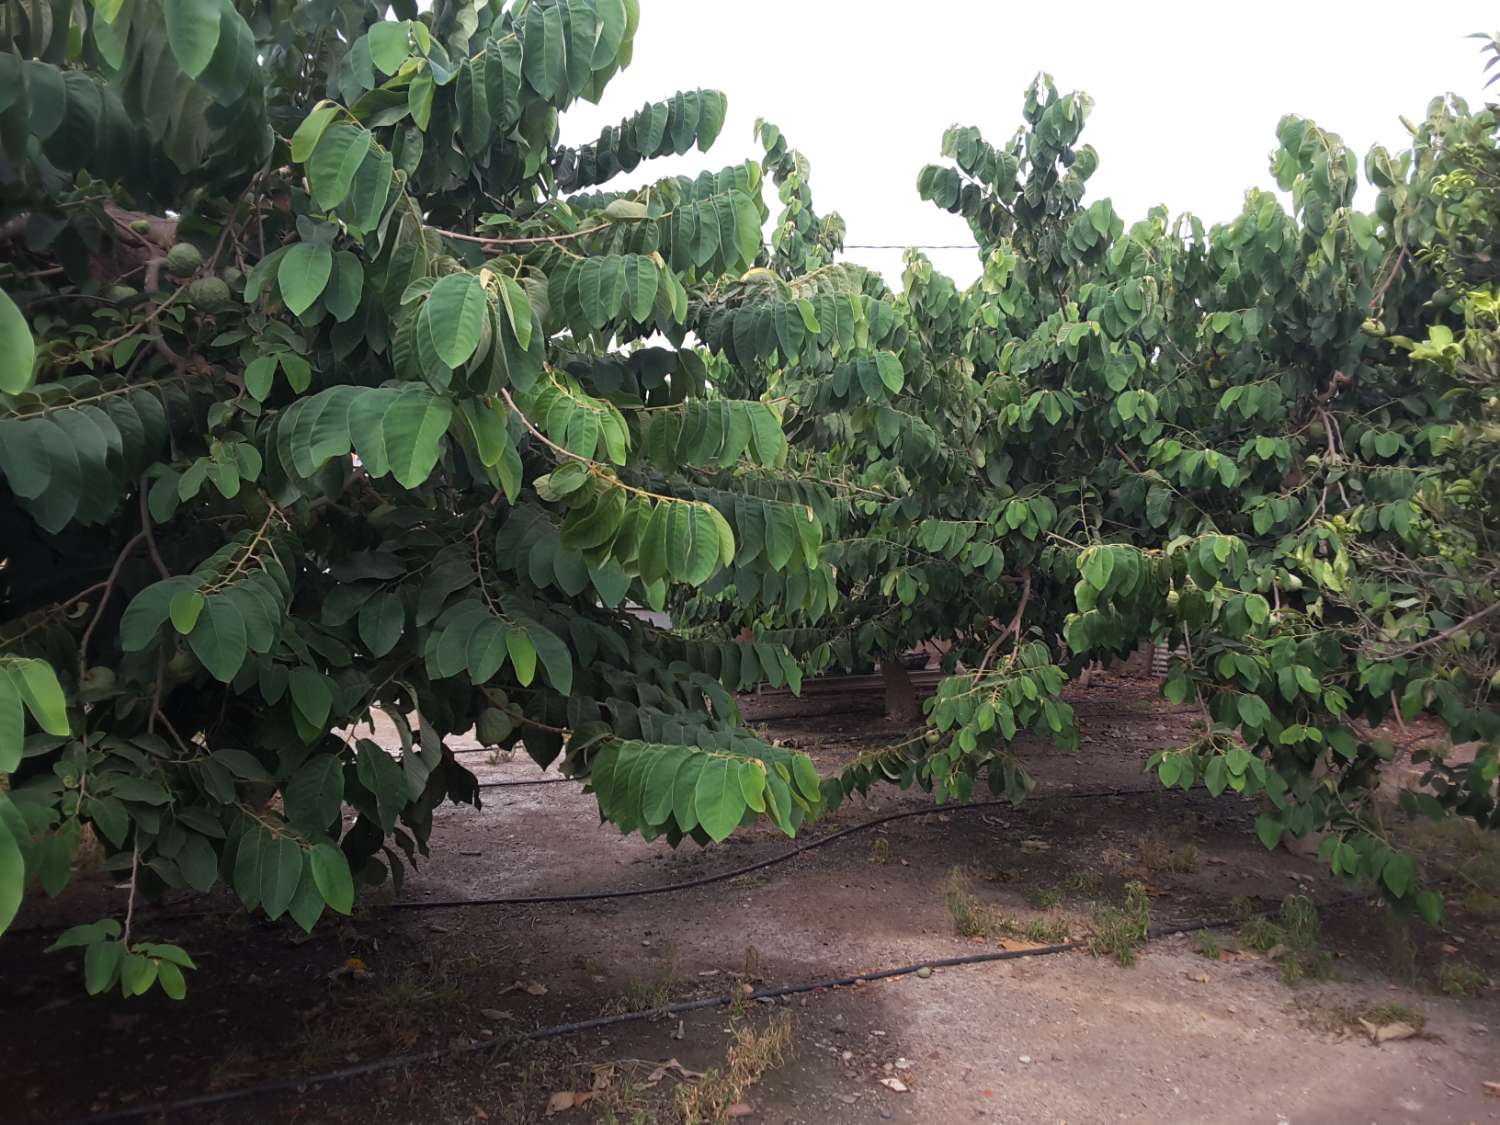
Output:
(183, 259)
(210, 294)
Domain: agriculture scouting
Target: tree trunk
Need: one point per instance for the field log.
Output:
(900, 694)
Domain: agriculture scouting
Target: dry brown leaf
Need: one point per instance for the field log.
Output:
(1492, 1089)
(1018, 943)
(739, 1109)
(895, 1084)
(564, 1100)
(536, 988)
(1198, 978)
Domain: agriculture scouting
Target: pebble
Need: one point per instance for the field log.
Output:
(1026, 1059)
(846, 1055)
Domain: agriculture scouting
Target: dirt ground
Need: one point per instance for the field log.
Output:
(1070, 1038)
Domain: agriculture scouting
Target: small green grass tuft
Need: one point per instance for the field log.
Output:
(1208, 945)
(1085, 881)
(1160, 851)
(1292, 940)
(1052, 930)
(880, 851)
(1043, 898)
(1459, 978)
(1119, 930)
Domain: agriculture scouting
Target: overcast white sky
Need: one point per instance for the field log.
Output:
(1187, 95)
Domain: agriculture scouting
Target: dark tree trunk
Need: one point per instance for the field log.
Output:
(900, 695)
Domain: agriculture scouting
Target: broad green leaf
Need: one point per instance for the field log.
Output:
(331, 872)
(187, 605)
(315, 792)
(311, 694)
(17, 349)
(381, 621)
(12, 724)
(717, 798)
(306, 138)
(303, 275)
(280, 871)
(455, 312)
(335, 159)
(219, 640)
(37, 685)
(12, 870)
(193, 32)
(390, 43)
(523, 655)
(412, 428)
(1399, 873)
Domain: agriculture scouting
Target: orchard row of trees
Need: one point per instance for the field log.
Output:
(332, 383)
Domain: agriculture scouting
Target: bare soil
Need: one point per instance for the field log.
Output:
(1068, 1038)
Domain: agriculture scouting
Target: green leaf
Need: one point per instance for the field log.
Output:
(185, 609)
(12, 868)
(331, 167)
(345, 286)
(517, 310)
(173, 983)
(137, 974)
(381, 622)
(193, 32)
(555, 657)
(306, 138)
(43, 695)
(390, 44)
(315, 793)
(12, 724)
(413, 427)
(379, 773)
(303, 275)
(523, 655)
(331, 873)
(280, 872)
(218, 640)
(1269, 829)
(454, 313)
(717, 798)
(1399, 873)
(311, 695)
(101, 965)
(1430, 906)
(17, 349)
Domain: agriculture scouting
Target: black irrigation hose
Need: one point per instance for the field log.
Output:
(758, 865)
(665, 888)
(391, 1062)
(532, 781)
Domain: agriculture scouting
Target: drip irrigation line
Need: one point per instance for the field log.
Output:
(391, 1062)
(911, 246)
(666, 888)
(532, 781)
(758, 865)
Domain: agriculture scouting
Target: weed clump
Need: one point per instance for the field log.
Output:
(1160, 852)
(752, 1053)
(1291, 940)
(1084, 881)
(1043, 898)
(1459, 978)
(1119, 930)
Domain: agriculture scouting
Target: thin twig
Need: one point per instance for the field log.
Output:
(146, 530)
(135, 863)
(109, 586)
